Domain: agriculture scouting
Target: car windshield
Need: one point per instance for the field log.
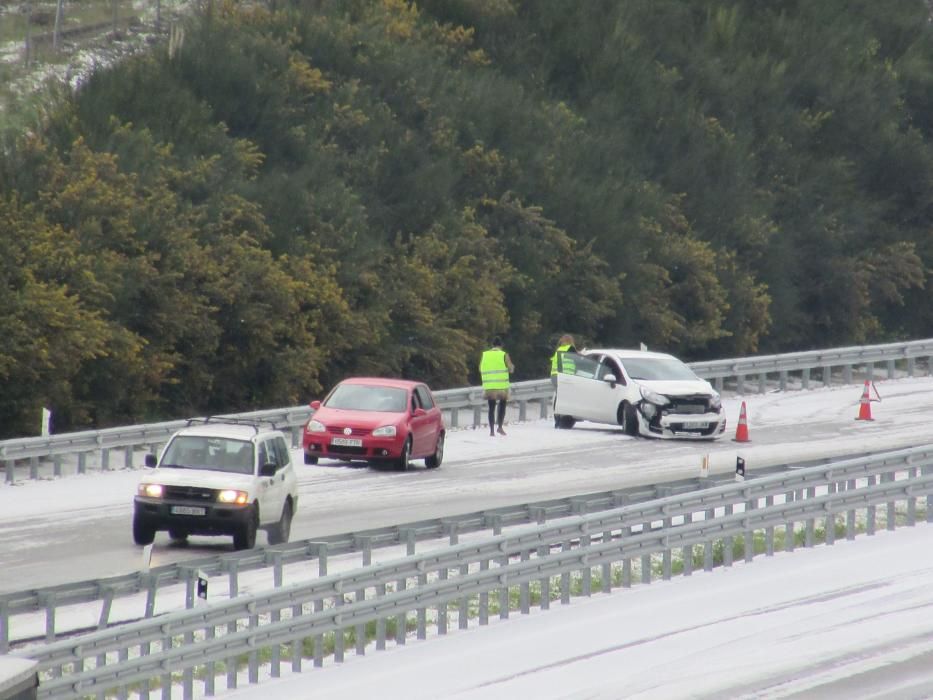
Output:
(213, 453)
(657, 369)
(362, 397)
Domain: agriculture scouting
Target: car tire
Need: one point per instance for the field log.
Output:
(310, 459)
(404, 461)
(434, 461)
(143, 532)
(245, 536)
(566, 422)
(279, 533)
(629, 418)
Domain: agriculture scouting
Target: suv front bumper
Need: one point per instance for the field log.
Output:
(181, 516)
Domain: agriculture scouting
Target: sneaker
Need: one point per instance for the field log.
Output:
(500, 430)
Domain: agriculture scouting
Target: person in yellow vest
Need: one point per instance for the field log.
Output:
(565, 344)
(494, 368)
(566, 365)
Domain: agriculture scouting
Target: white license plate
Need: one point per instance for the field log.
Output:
(188, 510)
(347, 442)
(696, 424)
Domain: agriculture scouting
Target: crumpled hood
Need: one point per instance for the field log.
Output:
(678, 387)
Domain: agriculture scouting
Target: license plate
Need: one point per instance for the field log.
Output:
(188, 510)
(696, 424)
(347, 442)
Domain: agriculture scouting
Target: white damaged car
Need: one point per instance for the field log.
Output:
(647, 393)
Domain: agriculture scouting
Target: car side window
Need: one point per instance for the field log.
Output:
(424, 396)
(267, 454)
(415, 401)
(281, 452)
(610, 366)
(583, 366)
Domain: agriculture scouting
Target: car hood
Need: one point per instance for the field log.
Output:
(364, 420)
(201, 478)
(678, 387)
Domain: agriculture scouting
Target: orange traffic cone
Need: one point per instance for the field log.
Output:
(864, 410)
(741, 430)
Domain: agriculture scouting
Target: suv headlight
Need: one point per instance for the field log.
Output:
(315, 426)
(653, 397)
(231, 496)
(715, 403)
(150, 490)
(385, 431)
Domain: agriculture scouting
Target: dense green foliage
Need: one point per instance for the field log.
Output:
(302, 191)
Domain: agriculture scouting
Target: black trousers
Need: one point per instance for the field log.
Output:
(496, 417)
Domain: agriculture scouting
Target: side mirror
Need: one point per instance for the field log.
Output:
(611, 380)
(315, 404)
(267, 469)
(151, 460)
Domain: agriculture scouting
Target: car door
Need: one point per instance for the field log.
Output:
(422, 427)
(580, 394)
(433, 421)
(608, 395)
(270, 487)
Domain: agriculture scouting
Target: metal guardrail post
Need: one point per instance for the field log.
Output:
(33, 468)
(4, 627)
(10, 471)
(319, 604)
(82, 462)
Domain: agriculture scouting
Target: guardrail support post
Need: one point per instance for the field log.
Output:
(477, 416)
(4, 627)
(783, 380)
(105, 460)
(522, 411)
(82, 462)
(892, 372)
(762, 382)
(365, 545)
(34, 468)
(454, 418)
(544, 403)
(128, 457)
(769, 531)
(484, 598)
(47, 600)
(727, 541)
(106, 604)
(10, 471)
(805, 378)
(57, 465)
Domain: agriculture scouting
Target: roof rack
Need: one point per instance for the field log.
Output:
(254, 423)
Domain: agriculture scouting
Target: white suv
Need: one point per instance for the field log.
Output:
(219, 476)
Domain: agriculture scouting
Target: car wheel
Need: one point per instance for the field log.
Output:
(566, 422)
(245, 537)
(280, 532)
(143, 532)
(178, 535)
(404, 460)
(434, 461)
(629, 419)
(310, 459)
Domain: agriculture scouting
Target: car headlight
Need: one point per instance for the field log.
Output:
(653, 397)
(715, 403)
(150, 490)
(385, 431)
(231, 496)
(315, 426)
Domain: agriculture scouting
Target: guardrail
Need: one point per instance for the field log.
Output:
(470, 582)
(833, 365)
(54, 601)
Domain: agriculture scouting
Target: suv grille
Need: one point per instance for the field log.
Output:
(190, 493)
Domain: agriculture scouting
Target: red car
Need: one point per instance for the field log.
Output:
(380, 421)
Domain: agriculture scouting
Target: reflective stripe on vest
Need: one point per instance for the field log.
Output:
(568, 366)
(494, 372)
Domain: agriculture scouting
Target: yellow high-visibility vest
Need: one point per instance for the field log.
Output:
(493, 370)
(566, 362)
